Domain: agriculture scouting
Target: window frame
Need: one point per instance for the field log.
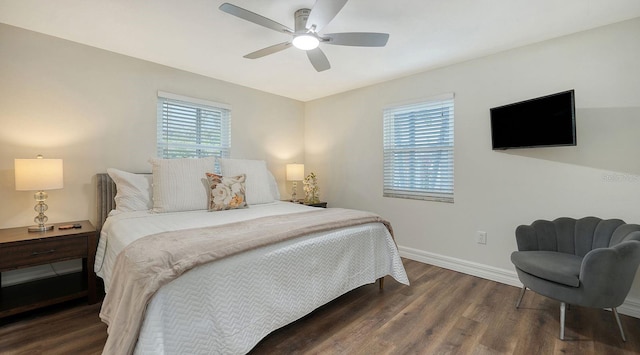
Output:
(400, 150)
(203, 108)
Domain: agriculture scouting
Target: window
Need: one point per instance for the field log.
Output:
(192, 128)
(418, 150)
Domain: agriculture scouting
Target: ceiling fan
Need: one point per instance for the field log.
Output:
(308, 23)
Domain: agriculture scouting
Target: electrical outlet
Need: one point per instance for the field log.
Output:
(481, 237)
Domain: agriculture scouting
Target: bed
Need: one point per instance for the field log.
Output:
(228, 305)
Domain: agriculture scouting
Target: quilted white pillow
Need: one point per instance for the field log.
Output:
(133, 190)
(258, 182)
(180, 184)
(275, 192)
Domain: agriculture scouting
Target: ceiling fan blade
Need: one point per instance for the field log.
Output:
(269, 50)
(253, 17)
(318, 59)
(360, 39)
(323, 12)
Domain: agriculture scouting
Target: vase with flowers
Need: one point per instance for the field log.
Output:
(311, 189)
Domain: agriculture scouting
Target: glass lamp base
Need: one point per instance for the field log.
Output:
(41, 208)
(294, 196)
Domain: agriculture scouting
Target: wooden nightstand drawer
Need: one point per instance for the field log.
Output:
(41, 252)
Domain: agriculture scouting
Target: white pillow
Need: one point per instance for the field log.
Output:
(258, 183)
(133, 190)
(181, 184)
(273, 184)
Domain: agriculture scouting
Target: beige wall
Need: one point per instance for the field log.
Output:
(96, 109)
(495, 191)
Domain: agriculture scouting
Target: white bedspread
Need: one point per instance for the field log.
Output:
(228, 306)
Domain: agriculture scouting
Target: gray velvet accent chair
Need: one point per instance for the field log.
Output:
(589, 262)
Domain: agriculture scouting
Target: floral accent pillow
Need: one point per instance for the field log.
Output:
(226, 192)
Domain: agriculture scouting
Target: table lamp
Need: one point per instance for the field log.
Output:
(39, 175)
(295, 173)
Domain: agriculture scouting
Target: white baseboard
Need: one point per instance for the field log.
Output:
(630, 307)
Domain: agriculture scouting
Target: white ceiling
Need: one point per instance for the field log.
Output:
(195, 36)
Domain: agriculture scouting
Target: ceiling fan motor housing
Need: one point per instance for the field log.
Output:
(301, 16)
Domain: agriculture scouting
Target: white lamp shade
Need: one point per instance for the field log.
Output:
(38, 174)
(295, 172)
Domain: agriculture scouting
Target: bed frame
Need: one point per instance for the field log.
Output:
(106, 191)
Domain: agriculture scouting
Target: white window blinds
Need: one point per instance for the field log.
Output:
(192, 128)
(418, 150)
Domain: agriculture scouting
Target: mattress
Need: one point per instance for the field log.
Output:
(228, 306)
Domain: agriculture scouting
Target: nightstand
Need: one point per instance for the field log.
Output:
(316, 204)
(20, 248)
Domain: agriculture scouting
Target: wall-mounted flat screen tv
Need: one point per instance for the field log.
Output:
(547, 121)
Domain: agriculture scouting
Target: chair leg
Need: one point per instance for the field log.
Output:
(615, 314)
(524, 288)
(562, 309)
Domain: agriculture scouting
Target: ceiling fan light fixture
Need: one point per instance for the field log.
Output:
(305, 42)
(308, 22)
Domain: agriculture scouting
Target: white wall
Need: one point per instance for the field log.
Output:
(495, 191)
(96, 109)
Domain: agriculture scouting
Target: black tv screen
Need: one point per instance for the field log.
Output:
(547, 121)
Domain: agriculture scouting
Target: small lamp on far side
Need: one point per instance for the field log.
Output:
(39, 175)
(295, 173)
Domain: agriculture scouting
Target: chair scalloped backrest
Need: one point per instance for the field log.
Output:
(573, 236)
(624, 233)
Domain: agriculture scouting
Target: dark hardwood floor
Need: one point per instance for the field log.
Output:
(442, 312)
